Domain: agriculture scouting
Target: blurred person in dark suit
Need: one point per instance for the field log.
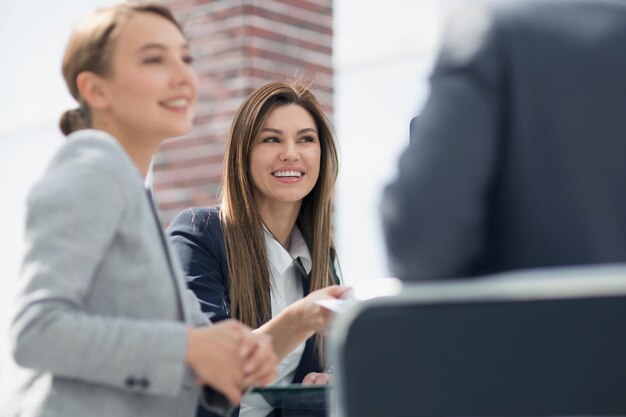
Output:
(517, 160)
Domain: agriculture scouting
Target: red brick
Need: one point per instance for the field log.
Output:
(238, 47)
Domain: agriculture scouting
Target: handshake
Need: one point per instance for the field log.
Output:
(230, 358)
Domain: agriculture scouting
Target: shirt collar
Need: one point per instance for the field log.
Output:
(280, 258)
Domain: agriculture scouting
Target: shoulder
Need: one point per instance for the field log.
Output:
(96, 150)
(505, 16)
(196, 236)
(480, 36)
(198, 218)
(524, 26)
(92, 166)
(199, 223)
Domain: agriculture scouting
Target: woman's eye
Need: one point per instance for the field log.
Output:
(188, 59)
(270, 140)
(307, 139)
(153, 60)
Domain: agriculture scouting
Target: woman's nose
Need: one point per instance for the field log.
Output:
(289, 152)
(184, 74)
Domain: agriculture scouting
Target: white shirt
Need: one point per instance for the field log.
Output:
(286, 288)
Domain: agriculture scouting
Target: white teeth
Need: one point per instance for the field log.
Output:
(296, 174)
(178, 103)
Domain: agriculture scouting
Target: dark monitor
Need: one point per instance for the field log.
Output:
(489, 357)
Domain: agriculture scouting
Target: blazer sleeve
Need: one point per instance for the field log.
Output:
(434, 212)
(197, 239)
(73, 215)
(197, 316)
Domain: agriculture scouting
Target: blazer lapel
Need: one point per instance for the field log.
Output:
(182, 311)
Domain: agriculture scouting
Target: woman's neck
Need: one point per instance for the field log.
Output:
(280, 219)
(140, 153)
(140, 150)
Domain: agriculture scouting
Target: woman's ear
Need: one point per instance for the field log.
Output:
(92, 89)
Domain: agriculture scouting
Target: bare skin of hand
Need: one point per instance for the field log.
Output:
(260, 366)
(300, 320)
(316, 378)
(217, 355)
(311, 315)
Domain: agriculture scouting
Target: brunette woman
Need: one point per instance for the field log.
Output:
(267, 255)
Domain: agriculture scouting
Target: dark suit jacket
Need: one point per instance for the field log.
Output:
(196, 236)
(518, 159)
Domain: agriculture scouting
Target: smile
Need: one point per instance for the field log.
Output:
(288, 174)
(176, 104)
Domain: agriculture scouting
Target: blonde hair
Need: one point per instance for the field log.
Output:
(242, 224)
(90, 49)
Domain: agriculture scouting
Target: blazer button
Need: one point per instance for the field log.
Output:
(144, 383)
(130, 382)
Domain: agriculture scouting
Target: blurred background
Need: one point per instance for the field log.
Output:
(369, 61)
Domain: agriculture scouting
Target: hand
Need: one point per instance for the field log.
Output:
(311, 315)
(216, 354)
(260, 367)
(316, 378)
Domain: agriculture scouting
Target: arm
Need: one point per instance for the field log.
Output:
(73, 215)
(434, 212)
(300, 321)
(197, 316)
(195, 237)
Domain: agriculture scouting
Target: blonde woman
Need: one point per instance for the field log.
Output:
(104, 325)
(266, 255)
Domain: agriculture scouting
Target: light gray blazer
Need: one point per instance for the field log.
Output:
(99, 327)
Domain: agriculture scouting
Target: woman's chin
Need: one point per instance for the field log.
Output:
(179, 131)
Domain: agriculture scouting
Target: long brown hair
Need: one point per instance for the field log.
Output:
(90, 48)
(248, 266)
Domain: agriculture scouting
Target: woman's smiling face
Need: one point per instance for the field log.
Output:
(151, 90)
(284, 160)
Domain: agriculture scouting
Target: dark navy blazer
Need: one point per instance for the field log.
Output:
(517, 158)
(196, 236)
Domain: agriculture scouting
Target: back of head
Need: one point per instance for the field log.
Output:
(90, 48)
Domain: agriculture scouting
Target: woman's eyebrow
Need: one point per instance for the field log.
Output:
(269, 129)
(280, 132)
(151, 46)
(155, 45)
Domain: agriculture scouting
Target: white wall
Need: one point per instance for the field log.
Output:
(383, 55)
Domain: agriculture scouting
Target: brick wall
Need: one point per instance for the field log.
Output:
(238, 46)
